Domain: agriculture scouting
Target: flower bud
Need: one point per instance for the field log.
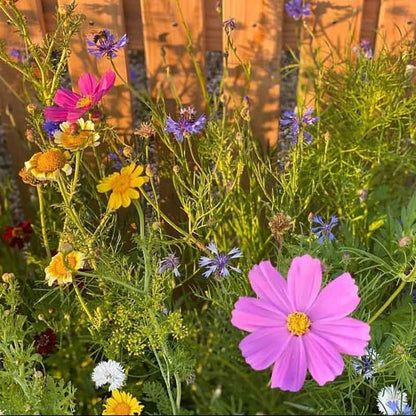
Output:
(29, 135)
(7, 277)
(127, 151)
(96, 116)
(176, 169)
(41, 317)
(149, 171)
(405, 241)
(31, 108)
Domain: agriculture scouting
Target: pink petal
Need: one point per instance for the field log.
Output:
(55, 113)
(250, 314)
(76, 113)
(337, 300)
(270, 286)
(304, 281)
(106, 83)
(66, 98)
(289, 372)
(87, 84)
(349, 335)
(263, 347)
(324, 361)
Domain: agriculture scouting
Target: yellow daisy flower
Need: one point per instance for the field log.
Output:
(57, 271)
(121, 403)
(123, 184)
(77, 136)
(47, 165)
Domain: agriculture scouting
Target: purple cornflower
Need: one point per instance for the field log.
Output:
(168, 263)
(296, 9)
(104, 44)
(364, 48)
(219, 263)
(398, 410)
(187, 123)
(292, 120)
(229, 24)
(324, 229)
(118, 158)
(50, 127)
(414, 296)
(17, 54)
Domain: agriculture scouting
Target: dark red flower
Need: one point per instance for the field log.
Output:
(45, 341)
(17, 236)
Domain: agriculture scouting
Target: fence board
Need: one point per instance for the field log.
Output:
(397, 19)
(102, 15)
(15, 128)
(336, 26)
(371, 10)
(258, 39)
(165, 47)
(134, 25)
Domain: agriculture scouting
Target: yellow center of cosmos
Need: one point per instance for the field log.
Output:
(84, 101)
(121, 183)
(50, 161)
(122, 409)
(298, 323)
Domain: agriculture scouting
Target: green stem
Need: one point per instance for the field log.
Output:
(42, 222)
(387, 302)
(198, 243)
(83, 304)
(165, 378)
(143, 245)
(76, 174)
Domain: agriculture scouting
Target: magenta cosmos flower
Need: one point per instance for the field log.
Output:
(296, 327)
(72, 105)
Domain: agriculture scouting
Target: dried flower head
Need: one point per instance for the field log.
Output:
(279, 223)
(29, 179)
(145, 130)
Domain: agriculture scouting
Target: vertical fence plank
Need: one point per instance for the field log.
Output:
(12, 81)
(165, 48)
(102, 15)
(134, 25)
(336, 26)
(371, 9)
(397, 21)
(258, 39)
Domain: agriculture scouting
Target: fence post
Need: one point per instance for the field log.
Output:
(103, 15)
(15, 125)
(258, 40)
(327, 37)
(397, 21)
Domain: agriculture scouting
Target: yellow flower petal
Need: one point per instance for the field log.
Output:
(104, 186)
(115, 201)
(125, 200)
(133, 194)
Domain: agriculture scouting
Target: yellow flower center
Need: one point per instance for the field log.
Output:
(298, 323)
(122, 409)
(75, 141)
(59, 270)
(18, 232)
(50, 161)
(84, 101)
(121, 183)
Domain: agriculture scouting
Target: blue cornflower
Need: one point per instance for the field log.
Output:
(219, 263)
(293, 120)
(364, 48)
(50, 127)
(187, 123)
(229, 24)
(118, 158)
(104, 44)
(396, 408)
(296, 9)
(18, 54)
(324, 229)
(168, 263)
(414, 296)
(368, 364)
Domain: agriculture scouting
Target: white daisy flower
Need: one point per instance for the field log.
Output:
(109, 372)
(368, 364)
(389, 395)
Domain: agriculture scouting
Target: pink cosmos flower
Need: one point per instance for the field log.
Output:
(72, 105)
(296, 327)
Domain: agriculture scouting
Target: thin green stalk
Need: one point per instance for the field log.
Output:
(198, 243)
(43, 223)
(83, 304)
(76, 174)
(387, 302)
(165, 378)
(143, 245)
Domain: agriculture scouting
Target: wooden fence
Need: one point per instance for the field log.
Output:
(263, 31)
